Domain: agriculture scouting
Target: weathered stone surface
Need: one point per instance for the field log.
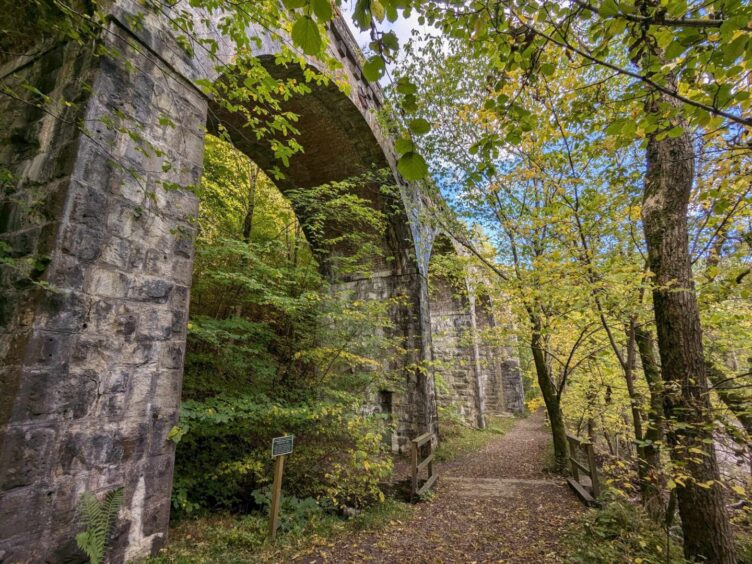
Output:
(89, 370)
(477, 376)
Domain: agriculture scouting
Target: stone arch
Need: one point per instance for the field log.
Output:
(340, 144)
(91, 374)
(479, 377)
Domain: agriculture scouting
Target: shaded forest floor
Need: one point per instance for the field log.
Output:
(497, 504)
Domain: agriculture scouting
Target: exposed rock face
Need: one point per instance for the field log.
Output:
(91, 372)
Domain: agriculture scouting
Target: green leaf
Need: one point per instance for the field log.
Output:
(377, 9)
(735, 49)
(622, 127)
(674, 49)
(374, 68)
(362, 14)
(547, 69)
(322, 9)
(404, 145)
(514, 137)
(390, 41)
(305, 34)
(409, 103)
(412, 166)
(419, 126)
(293, 4)
(391, 13)
(404, 86)
(608, 8)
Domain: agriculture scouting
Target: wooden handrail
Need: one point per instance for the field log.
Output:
(423, 439)
(418, 465)
(578, 440)
(590, 469)
(425, 463)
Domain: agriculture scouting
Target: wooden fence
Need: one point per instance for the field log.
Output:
(425, 440)
(588, 491)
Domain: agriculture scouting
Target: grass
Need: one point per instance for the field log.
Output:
(458, 439)
(234, 539)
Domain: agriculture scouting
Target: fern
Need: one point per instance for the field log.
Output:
(98, 518)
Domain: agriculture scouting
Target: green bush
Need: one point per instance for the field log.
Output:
(225, 443)
(619, 532)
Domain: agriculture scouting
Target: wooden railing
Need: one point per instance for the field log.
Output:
(418, 464)
(588, 492)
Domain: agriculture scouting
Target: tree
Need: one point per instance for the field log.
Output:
(687, 77)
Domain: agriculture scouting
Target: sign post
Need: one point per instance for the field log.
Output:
(281, 447)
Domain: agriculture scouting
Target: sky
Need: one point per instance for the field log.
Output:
(402, 27)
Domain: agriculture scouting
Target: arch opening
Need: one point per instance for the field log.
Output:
(342, 151)
(345, 228)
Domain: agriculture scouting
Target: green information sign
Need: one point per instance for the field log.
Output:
(282, 445)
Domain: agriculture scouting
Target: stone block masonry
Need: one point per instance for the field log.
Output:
(91, 371)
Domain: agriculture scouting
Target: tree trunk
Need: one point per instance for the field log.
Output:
(253, 173)
(550, 397)
(668, 184)
(652, 496)
(634, 398)
(648, 461)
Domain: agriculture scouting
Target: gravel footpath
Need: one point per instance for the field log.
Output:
(495, 505)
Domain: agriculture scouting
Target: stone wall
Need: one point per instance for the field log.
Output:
(475, 356)
(500, 358)
(412, 399)
(451, 338)
(94, 366)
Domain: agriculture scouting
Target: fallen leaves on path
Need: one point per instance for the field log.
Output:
(496, 505)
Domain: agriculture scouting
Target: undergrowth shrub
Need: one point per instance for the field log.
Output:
(273, 349)
(619, 532)
(225, 443)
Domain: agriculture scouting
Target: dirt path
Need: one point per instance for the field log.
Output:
(496, 505)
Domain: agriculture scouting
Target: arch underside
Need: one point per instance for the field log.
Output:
(338, 145)
(337, 141)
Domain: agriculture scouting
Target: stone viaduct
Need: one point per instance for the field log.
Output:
(93, 322)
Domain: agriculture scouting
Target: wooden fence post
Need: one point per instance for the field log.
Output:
(419, 463)
(279, 464)
(593, 471)
(414, 465)
(573, 448)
